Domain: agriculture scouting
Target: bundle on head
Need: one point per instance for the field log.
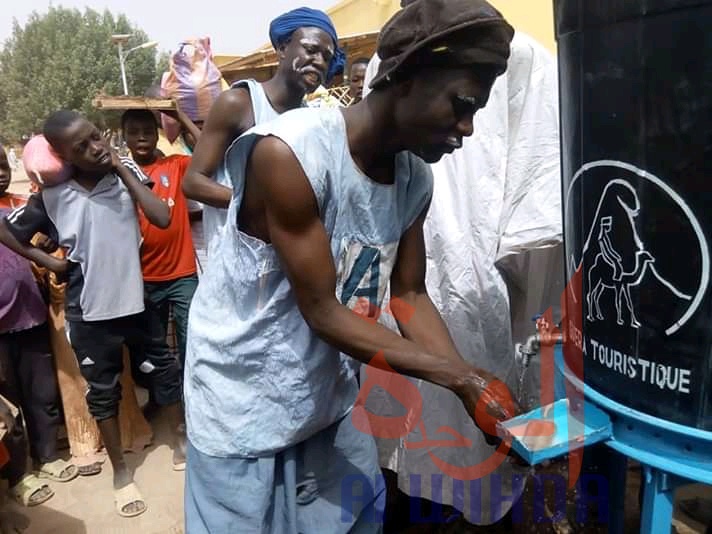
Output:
(42, 164)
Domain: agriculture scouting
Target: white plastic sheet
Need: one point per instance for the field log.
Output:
(496, 213)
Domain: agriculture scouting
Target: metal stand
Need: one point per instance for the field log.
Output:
(672, 455)
(658, 500)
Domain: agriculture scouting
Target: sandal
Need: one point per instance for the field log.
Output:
(178, 465)
(179, 456)
(89, 469)
(126, 496)
(58, 471)
(30, 491)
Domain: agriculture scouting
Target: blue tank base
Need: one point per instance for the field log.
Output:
(671, 455)
(658, 488)
(658, 500)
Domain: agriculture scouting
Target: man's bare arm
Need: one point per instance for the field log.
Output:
(34, 254)
(156, 211)
(417, 317)
(185, 121)
(229, 117)
(302, 244)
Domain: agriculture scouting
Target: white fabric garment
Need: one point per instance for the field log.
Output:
(262, 111)
(495, 201)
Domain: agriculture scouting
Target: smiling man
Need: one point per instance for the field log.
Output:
(327, 210)
(309, 56)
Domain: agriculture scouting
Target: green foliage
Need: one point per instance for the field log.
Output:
(164, 63)
(63, 59)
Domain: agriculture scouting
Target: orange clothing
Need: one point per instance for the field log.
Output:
(12, 201)
(168, 254)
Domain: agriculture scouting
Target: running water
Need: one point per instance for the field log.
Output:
(520, 386)
(523, 357)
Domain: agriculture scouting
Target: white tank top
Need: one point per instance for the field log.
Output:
(262, 110)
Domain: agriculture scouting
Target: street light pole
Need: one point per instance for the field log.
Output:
(120, 40)
(122, 66)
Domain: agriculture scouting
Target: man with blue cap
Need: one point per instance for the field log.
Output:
(309, 55)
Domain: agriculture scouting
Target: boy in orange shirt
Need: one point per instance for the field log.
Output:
(167, 255)
(8, 200)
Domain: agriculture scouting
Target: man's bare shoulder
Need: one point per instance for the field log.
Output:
(234, 107)
(270, 150)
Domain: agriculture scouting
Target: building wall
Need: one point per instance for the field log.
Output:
(534, 17)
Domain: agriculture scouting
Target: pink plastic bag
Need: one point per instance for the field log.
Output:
(194, 81)
(42, 165)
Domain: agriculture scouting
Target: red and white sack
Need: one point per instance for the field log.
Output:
(42, 164)
(193, 81)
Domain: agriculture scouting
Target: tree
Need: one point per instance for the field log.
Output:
(64, 59)
(163, 64)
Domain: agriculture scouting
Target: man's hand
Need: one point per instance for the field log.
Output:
(56, 265)
(188, 126)
(487, 400)
(115, 160)
(46, 244)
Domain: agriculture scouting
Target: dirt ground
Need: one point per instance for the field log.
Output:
(85, 505)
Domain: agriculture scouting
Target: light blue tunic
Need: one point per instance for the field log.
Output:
(258, 380)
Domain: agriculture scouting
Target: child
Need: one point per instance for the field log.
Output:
(27, 375)
(8, 200)
(167, 256)
(93, 216)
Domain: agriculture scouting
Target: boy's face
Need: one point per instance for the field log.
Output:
(5, 172)
(358, 73)
(83, 146)
(141, 137)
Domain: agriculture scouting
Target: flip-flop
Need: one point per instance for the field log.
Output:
(27, 488)
(128, 495)
(58, 471)
(179, 457)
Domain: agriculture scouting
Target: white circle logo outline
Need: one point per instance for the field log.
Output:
(704, 249)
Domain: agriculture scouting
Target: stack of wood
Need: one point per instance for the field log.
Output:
(106, 102)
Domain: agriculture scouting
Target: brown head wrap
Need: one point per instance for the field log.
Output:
(456, 33)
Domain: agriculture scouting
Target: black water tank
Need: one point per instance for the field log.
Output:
(636, 144)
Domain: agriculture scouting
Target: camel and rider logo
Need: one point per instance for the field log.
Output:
(626, 261)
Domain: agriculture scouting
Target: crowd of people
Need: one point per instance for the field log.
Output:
(390, 234)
